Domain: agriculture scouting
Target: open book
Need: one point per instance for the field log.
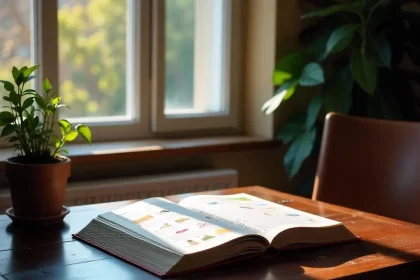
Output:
(204, 230)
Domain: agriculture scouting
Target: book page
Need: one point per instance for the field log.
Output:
(254, 214)
(182, 229)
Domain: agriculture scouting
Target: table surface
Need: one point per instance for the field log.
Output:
(389, 248)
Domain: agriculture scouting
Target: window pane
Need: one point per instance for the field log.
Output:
(92, 54)
(195, 56)
(15, 37)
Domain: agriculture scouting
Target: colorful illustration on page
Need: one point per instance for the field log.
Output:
(262, 204)
(192, 242)
(181, 220)
(165, 225)
(243, 198)
(207, 237)
(181, 231)
(220, 231)
(292, 214)
(143, 219)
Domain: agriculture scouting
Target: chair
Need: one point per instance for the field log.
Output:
(370, 165)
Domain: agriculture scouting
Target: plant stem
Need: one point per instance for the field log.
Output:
(26, 148)
(44, 115)
(50, 131)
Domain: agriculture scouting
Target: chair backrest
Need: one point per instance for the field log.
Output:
(370, 165)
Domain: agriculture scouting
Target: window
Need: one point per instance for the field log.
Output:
(132, 68)
(15, 36)
(93, 59)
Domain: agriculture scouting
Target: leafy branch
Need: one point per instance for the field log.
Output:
(22, 126)
(362, 43)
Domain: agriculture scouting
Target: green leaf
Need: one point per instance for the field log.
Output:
(28, 103)
(356, 8)
(32, 113)
(7, 130)
(57, 142)
(291, 65)
(55, 101)
(341, 38)
(50, 109)
(6, 118)
(364, 70)
(71, 135)
(29, 71)
(383, 50)
(34, 121)
(47, 85)
(30, 78)
(65, 126)
(299, 150)
(85, 132)
(40, 101)
(274, 102)
(291, 88)
(337, 92)
(312, 75)
(292, 128)
(280, 77)
(316, 35)
(6, 98)
(313, 110)
(15, 73)
(7, 85)
(14, 97)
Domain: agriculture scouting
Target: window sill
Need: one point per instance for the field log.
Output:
(132, 150)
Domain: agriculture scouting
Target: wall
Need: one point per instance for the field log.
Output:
(255, 167)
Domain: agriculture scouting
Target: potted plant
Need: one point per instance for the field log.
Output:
(38, 172)
(362, 59)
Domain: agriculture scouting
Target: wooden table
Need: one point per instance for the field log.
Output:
(390, 249)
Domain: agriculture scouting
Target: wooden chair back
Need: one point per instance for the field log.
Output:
(370, 165)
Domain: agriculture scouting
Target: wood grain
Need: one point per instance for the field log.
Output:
(389, 248)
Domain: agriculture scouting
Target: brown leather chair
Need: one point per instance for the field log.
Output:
(370, 165)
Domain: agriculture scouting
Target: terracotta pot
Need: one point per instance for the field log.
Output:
(38, 190)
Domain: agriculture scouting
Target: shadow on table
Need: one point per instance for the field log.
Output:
(290, 264)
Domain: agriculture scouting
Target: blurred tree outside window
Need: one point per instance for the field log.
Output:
(15, 36)
(93, 55)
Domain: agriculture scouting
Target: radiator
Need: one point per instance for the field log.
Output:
(142, 187)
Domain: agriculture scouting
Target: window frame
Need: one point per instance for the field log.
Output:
(228, 120)
(147, 74)
(138, 33)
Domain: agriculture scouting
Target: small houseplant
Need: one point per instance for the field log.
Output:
(362, 58)
(38, 172)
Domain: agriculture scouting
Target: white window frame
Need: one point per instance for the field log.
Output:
(167, 123)
(146, 77)
(138, 33)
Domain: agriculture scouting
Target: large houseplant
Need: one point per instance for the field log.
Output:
(361, 59)
(38, 172)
